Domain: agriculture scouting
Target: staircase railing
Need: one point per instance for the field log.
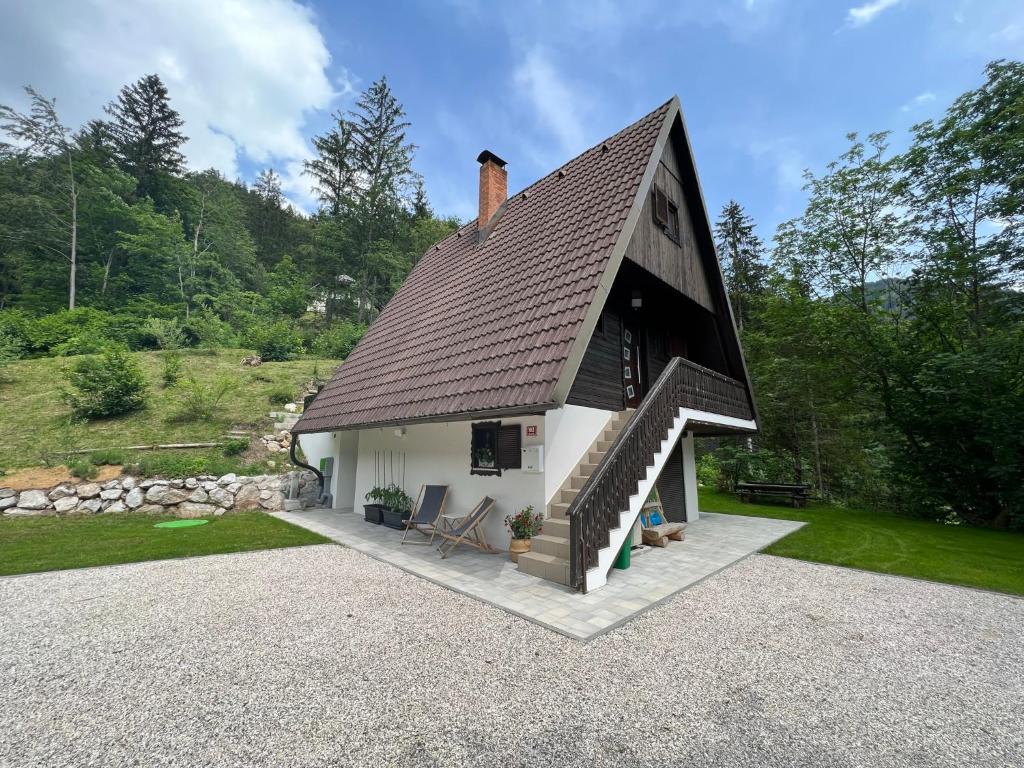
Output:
(597, 507)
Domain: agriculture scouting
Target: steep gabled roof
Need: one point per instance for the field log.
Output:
(488, 327)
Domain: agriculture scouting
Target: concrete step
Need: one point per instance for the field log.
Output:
(557, 527)
(576, 482)
(546, 544)
(558, 510)
(548, 567)
(568, 494)
(587, 469)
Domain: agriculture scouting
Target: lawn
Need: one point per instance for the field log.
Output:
(29, 545)
(875, 541)
(35, 427)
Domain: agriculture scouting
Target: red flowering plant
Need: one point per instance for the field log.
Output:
(524, 524)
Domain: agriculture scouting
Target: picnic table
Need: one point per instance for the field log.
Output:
(796, 494)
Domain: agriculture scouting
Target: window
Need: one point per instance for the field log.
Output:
(666, 213)
(495, 447)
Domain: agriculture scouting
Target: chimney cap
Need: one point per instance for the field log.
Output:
(488, 156)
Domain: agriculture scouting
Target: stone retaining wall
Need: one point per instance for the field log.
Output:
(200, 496)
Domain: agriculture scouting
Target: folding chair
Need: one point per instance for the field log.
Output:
(465, 529)
(429, 506)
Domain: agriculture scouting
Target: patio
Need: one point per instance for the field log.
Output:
(712, 543)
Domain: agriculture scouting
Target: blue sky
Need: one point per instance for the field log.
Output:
(768, 87)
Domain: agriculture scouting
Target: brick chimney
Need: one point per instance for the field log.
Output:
(493, 185)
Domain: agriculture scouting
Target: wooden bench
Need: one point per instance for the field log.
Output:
(796, 495)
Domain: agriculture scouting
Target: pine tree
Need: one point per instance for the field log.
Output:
(145, 133)
(334, 168)
(742, 253)
(268, 187)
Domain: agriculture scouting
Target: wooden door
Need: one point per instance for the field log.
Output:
(631, 383)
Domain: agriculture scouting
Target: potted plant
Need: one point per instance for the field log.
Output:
(524, 525)
(374, 511)
(485, 458)
(397, 507)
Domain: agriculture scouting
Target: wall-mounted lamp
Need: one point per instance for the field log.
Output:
(637, 300)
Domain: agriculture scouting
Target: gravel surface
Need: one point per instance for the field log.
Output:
(321, 656)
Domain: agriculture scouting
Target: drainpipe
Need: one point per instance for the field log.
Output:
(314, 470)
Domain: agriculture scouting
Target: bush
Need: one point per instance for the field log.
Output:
(339, 340)
(107, 456)
(281, 395)
(205, 329)
(275, 341)
(164, 334)
(82, 469)
(104, 385)
(81, 345)
(173, 365)
(197, 401)
(235, 446)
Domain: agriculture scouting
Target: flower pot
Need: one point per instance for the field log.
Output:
(373, 513)
(394, 518)
(517, 547)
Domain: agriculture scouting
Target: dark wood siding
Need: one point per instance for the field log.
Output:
(678, 264)
(598, 383)
(657, 344)
(670, 486)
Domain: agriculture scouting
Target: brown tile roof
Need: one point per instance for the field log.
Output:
(489, 327)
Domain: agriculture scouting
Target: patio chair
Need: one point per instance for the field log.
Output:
(429, 506)
(465, 529)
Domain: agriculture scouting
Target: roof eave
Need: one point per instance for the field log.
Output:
(517, 410)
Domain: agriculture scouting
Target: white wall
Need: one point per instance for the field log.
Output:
(343, 447)
(689, 478)
(568, 431)
(438, 454)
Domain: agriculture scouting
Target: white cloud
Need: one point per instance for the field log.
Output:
(865, 14)
(918, 101)
(244, 74)
(784, 159)
(555, 103)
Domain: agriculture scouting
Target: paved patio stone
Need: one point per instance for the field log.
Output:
(712, 543)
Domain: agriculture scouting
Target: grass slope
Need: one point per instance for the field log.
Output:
(954, 554)
(32, 544)
(35, 426)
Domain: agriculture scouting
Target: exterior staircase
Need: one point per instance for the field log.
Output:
(548, 557)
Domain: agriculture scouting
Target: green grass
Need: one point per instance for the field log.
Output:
(875, 541)
(35, 427)
(29, 545)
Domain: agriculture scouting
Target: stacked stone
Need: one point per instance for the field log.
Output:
(278, 442)
(200, 496)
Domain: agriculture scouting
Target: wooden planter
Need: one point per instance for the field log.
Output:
(517, 547)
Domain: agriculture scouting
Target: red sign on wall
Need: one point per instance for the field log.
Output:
(531, 431)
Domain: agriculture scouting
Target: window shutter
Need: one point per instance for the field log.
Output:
(510, 446)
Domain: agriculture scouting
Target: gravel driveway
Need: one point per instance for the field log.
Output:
(322, 656)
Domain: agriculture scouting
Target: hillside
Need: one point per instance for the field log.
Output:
(36, 428)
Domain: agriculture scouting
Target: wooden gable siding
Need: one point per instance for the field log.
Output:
(678, 264)
(598, 382)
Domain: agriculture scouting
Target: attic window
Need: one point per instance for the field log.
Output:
(495, 447)
(666, 213)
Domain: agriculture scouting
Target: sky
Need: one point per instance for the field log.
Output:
(769, 88)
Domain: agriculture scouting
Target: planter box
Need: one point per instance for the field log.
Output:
(393, 519)
(374, 513)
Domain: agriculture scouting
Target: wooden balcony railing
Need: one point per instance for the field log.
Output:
(596, 509)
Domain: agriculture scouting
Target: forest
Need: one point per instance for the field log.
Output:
(883, 327)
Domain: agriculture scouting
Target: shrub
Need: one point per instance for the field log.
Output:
(107, 456)
(524, 524)
(275, 341)
(164, 334)
(81, 345)
(83, 469)
(235, 446)
(281, 395)
(104, 385)
(198, 401)
(172, 369)
(205, 329)
(11, 347)
(339, 340)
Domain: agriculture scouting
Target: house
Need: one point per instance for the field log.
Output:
(562, 350)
